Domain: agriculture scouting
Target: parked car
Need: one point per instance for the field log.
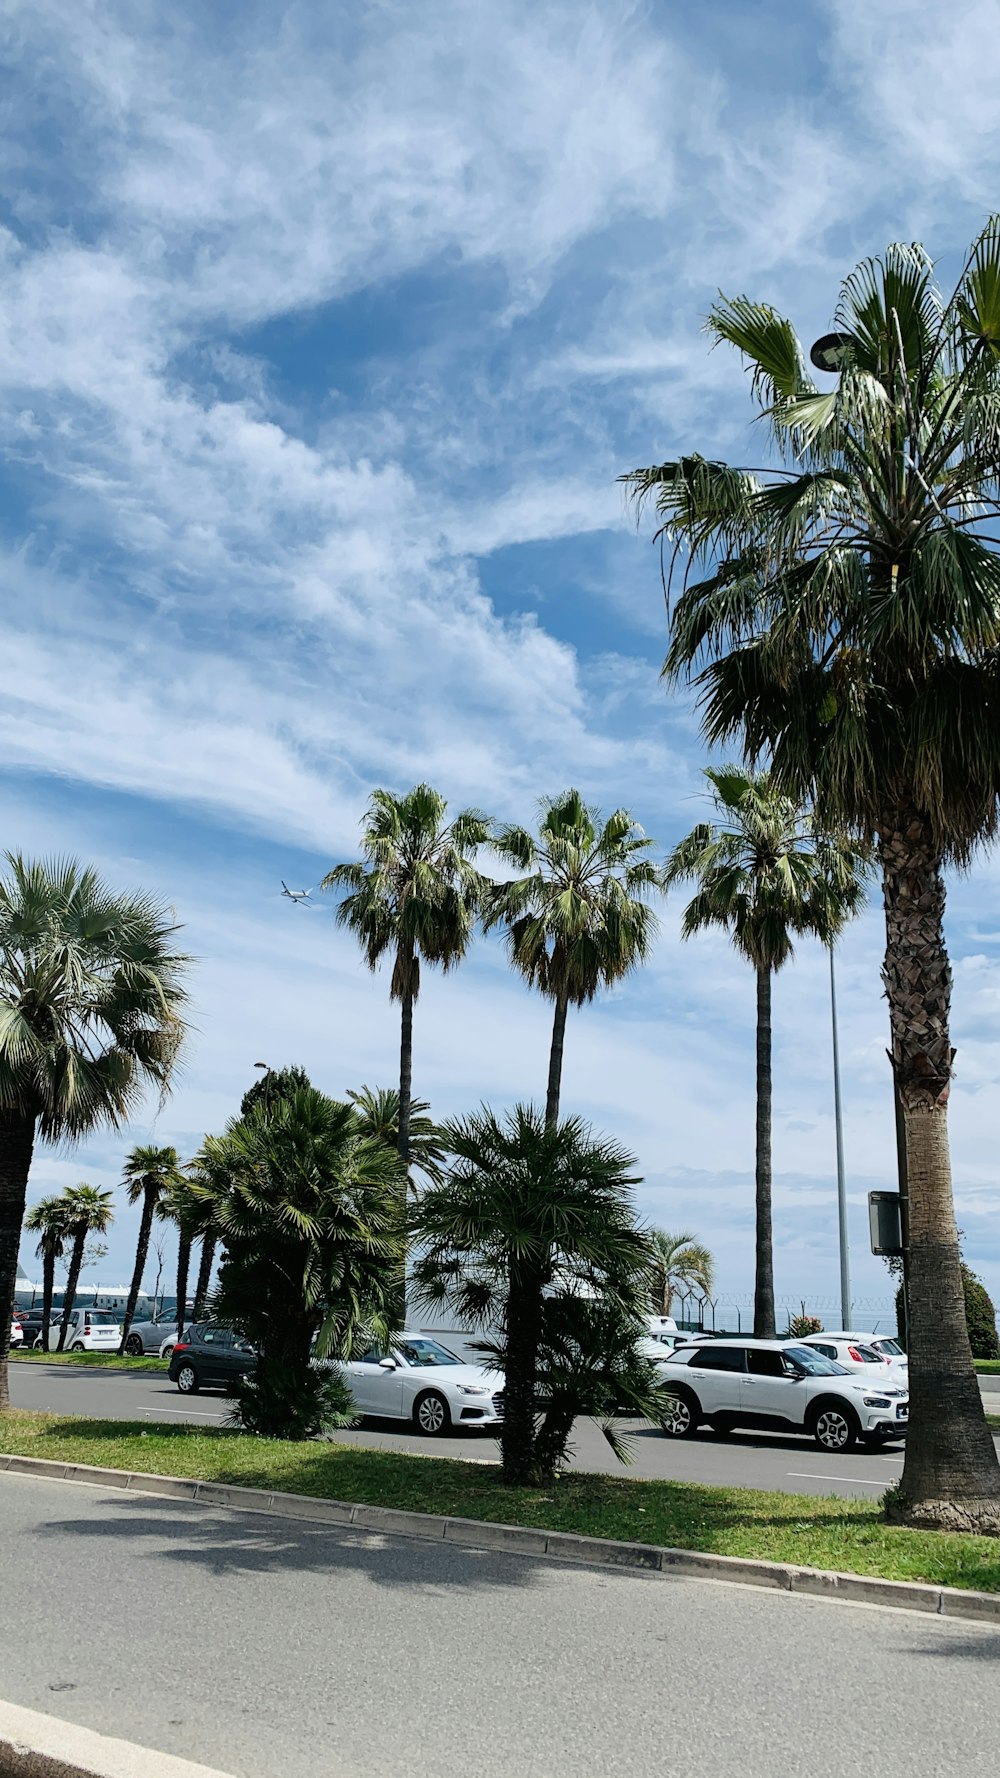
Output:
(16, 1334)
(31, 1327)
(88, 1330)
(421, 1381)
(151, 1337)
(780, 1387)
(857, 1354)
(883, 1345)
(210, 1356)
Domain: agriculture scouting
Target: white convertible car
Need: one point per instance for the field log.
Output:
(420, 1381)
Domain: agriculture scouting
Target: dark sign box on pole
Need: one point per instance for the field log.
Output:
(886, 1224)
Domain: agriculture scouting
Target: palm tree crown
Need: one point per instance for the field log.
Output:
(842, 615)
(577, 916)
(680, 1263)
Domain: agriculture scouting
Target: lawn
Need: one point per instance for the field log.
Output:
(988, 1367)
(808, 1531)
(91, 1360)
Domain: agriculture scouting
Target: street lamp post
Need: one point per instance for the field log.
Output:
(838, 1113)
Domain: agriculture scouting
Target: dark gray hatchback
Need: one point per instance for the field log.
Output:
(210, 1356)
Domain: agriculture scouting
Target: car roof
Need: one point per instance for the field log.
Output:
(840, 1334)
(743, 1340)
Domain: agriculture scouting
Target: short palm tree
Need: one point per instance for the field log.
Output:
(90, 1014)
(415, 897)
(48, 1220)
(679, 1263)
(846, 625)
(149, 1174)
(764, 874)
(378, 1110)
(576, 915)
(89, 1211)
(532, 1220)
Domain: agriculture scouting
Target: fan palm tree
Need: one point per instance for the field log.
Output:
(533, 1221)
(415, 896)
(182, 1206)
(48, 1219)
(206, 1261)
(679, 1263)
(308, 1208)
(764, 874)
(148, 1175)
(843, 618)
(90, 1014)
(89, 1211)
(576, 917)
(378, 1110)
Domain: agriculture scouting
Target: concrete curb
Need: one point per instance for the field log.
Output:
(476, 1534)
(36, 1746)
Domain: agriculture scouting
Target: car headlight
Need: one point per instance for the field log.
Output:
(471, 1389)
(875, 1401)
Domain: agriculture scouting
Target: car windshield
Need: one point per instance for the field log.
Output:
(890, 1348)
(424, 1353)
(813, 1363)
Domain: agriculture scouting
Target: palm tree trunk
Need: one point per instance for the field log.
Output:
(405, 1077)
(72, 1280)
(523, 1329)
(951, 1477)
(17, 1139)
(763, 1296)
(556, 1062)
(204, 1276)
(48, 1291)
(141, 1256)
(183, 1267)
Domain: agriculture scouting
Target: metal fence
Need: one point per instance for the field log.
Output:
(695, 1313)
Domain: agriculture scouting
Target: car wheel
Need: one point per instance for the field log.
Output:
(682, 1416)
(78, 1346)
(187, 1380)
(835, 1427)
(133, 1346)
(431, 1414)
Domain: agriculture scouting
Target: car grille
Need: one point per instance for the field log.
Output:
(499, 1404)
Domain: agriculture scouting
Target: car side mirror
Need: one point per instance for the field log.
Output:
(387, 1364)
(795, 1371)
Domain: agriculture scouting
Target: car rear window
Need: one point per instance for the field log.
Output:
(97, 1318)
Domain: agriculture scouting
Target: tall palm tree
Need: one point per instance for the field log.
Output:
(48, 1219)
(576, 916)
(847, 626)
(89, 1211)
(378, 1111)
(148, 1175)
(205, 1263)
(90, 1014)
(182, 1206)
(534, 1227)
(679, 1263)
(764, 874)
(415, 896)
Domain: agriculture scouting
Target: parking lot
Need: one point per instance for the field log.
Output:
(747, 1459)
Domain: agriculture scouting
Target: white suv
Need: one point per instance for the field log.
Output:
(780, 1387)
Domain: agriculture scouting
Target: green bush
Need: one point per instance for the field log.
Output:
(801, 1325)
(980, 1316)
(284, 1402)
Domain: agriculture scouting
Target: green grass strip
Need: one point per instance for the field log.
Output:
(810, 1531)
(94, 1361)
(988, 1367)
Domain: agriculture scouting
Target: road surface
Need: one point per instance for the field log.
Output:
(266, 1648)
(748, 1459)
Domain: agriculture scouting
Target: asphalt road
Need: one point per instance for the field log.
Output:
(262, 1647)
(747, 1459)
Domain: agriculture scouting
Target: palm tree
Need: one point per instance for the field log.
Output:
(309, 1211)
(415, 896)
(90, 1013)
(205, 1264)
(378, 1110)
(680, 1263)
(764, 875)
(532, 1221)
(576, 917)
(847, 626)
(181, 1205)
(47, 1219)
(89, 1211)
(148, 1175)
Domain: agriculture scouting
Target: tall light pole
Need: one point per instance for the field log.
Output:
(838, 1113)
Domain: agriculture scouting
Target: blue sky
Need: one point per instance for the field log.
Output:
(325, 334)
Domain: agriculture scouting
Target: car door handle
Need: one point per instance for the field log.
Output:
(749, 1382)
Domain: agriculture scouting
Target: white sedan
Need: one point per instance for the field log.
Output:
(420, 1381)
(876, 1355)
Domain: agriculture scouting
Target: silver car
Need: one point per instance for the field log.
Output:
(149, 1337)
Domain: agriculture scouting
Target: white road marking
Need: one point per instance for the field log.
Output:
(181, 1414)
(811, 1475)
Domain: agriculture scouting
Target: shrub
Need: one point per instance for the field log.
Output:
(801, 1325)
(284, 1402)
(980, 1316)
